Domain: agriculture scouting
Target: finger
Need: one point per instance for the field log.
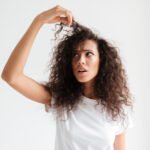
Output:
(69, 16)
(66, 14)
(73, 18)
(63, 20)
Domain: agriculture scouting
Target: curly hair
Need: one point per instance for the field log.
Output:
(111, 80)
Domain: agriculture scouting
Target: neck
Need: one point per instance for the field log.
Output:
(88, 90)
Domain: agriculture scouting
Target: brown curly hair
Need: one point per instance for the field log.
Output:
(111, 81)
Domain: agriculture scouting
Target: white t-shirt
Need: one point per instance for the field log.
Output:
(88, 128)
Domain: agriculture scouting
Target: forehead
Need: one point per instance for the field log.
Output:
(87, 45)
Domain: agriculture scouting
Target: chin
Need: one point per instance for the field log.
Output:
(83, 80)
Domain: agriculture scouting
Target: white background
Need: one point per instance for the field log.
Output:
(23, 123)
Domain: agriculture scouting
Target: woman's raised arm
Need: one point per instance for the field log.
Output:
(13, 71)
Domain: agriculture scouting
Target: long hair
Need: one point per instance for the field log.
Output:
(111, 81)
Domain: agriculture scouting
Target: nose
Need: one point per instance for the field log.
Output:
(81, 60)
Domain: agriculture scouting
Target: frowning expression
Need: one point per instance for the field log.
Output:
(85, 61)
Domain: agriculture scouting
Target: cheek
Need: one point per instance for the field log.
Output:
(94, 63)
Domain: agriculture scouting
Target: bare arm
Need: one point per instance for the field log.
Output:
(19, 55)
(119, 143)
(13, 71)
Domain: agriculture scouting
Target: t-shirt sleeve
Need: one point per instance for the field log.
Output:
(124, 125)
(49, 107)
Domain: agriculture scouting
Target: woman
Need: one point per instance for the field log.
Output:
(87, 88)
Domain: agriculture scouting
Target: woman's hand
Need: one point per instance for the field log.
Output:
(56, 14)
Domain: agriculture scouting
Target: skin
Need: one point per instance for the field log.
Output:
(120, 142)
(86, 56)
(13, 72)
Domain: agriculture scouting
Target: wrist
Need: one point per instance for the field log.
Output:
(38, 20)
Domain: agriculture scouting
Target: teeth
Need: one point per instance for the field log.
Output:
(82, 70)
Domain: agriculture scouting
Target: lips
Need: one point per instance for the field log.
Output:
(81, 69)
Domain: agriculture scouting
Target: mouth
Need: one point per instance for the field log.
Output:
(82, 71)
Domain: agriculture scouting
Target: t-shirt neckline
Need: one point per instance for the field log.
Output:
(89, 100)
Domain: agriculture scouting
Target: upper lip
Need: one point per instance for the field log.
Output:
(81, 69)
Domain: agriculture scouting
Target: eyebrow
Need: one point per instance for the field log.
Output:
(84, 50)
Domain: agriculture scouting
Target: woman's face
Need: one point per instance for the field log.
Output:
(85, 61)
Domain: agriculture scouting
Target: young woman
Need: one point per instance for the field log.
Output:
(87, 88)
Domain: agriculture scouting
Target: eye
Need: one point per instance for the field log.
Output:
(89, 53)
(75, 55)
